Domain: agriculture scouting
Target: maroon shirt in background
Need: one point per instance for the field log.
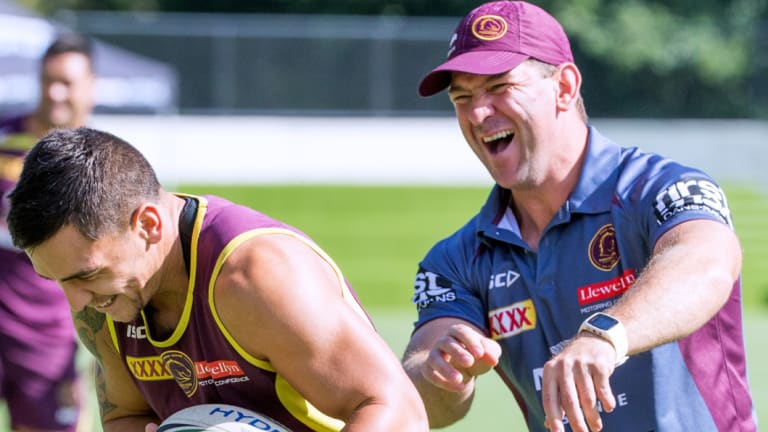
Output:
(38, 344)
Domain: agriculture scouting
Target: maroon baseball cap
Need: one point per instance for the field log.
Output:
(495, 37)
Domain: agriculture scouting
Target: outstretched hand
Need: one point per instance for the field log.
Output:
(576, 385)
(460, 355)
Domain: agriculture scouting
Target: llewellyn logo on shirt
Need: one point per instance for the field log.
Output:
(606, 289)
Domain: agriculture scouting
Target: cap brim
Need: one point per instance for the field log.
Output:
(474, 62)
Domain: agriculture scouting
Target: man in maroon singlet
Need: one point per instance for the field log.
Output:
(187, 300)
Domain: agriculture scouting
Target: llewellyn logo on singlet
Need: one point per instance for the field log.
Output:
(188, 374)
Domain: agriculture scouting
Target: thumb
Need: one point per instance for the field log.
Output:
(489, 358)
(492, 352)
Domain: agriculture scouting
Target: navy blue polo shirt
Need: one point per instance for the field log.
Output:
(590, 254)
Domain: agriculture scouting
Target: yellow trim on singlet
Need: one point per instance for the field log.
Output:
(202, 207)
(303, 410)
(113, 333)
(18, 141)
(296, 404)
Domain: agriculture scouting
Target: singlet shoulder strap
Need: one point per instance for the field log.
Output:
(186, 223)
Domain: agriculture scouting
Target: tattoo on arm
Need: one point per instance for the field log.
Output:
(105, 406)
(89, 322)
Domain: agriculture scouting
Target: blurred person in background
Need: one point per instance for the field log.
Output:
(39, 379)
(602, 283)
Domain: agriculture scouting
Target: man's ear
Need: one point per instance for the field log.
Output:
(148, 222)
(569, 86)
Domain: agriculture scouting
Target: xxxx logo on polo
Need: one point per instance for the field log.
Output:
(512, 320)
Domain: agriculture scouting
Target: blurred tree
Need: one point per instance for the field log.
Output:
(712, 36)
(685, 57)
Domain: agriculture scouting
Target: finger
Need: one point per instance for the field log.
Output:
(491, 351)
(569, 400)
(550, 397)
(469, 338)
(457, 352)
(585, 387)
(603, 388)
(562, 397)
(439, 370)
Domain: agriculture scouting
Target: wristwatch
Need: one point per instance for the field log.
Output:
(610, 329)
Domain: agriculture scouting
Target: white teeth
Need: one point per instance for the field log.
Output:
(106, 303)
(498, 135)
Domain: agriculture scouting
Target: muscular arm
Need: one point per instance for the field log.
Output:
(121, 406)
(689, 278)
(443, 358)
(284, 304)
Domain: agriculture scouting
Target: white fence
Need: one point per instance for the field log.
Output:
(264, 149)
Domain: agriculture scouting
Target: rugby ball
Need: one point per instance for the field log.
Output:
(219, 418)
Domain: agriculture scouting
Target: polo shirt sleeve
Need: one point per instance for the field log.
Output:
(667, 194)
(447, 283)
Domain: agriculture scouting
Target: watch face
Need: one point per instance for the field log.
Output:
(603, 321)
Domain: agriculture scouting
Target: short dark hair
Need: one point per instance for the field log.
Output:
(84, 177)
(69, 43)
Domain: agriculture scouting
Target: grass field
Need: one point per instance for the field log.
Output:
(378, 235)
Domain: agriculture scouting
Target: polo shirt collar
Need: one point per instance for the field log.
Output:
(593, 192)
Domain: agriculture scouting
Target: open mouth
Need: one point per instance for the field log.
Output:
(106, 303)
(499, 141)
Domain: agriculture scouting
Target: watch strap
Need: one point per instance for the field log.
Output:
(616, 335)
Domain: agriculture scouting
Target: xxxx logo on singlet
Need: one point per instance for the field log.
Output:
(188, 374)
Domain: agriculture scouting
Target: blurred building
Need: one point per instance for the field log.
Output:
(126, 82)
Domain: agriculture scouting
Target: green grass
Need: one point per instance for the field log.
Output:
(749, 209)
(379, 234)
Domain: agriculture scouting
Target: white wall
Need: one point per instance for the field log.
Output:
(266, 149)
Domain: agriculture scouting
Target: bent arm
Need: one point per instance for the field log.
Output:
(121, 406)
(285, 304)
(689, 278)
(443, 358)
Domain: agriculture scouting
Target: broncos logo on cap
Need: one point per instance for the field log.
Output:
(489, 27)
